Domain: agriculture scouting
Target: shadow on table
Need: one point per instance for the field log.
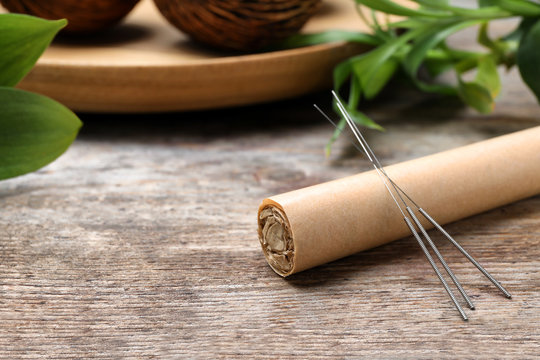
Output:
(379, 260)
(271, 119)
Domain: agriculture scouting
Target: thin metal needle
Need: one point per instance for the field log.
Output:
(465, 253)
(366, 146)
(469, 257)
(441, 259)
(435, 268)
(424, 213)
(407, 220)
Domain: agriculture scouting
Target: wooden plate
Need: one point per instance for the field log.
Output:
(146, 65)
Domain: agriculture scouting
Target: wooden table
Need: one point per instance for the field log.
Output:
(141, 242)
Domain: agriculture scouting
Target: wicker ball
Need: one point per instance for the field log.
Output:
(243, 25)
(84, 16)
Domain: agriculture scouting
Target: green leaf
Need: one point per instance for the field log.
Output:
(22, 41)
(483, 36)
(466, 13)
(372, 68)
(434, 4)
(476, 96)
(487, 13)
(409, 23)
(442, 58)
(441, 89)
(390, 7)
(378, 30)
(487, 75)
(300, 40)
(342, 71)
(519, 7)
(35, 130)
(426, 42)
(363, 120)
(466, 64)
(436, 66)
(523, 28)
(358, 117)
(380, 77)
(486, 3)
(355, 92)
(340, 126)
(528, 59)
(496, 47)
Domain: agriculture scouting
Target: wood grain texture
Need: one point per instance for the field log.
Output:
(140, 242)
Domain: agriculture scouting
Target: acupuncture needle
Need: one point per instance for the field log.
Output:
(456, 244)
(423, 212)
(413, 232)
(375, 161)
(427, 216)
(453, 242)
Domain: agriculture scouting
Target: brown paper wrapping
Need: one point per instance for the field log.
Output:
(339, 218)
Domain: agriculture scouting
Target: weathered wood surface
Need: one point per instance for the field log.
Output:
(140, 242)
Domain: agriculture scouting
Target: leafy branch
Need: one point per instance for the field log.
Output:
(34, 129)
(419, 40)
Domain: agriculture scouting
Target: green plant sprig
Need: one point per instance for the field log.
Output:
(419, 39)
(34, 129)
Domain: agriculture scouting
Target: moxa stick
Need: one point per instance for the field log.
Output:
(308, 227)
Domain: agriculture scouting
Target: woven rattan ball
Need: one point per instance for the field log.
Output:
(84, 16)
(243, 25)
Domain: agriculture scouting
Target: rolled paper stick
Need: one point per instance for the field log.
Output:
(304, 228)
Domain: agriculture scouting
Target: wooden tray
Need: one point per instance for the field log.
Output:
(146, 65)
